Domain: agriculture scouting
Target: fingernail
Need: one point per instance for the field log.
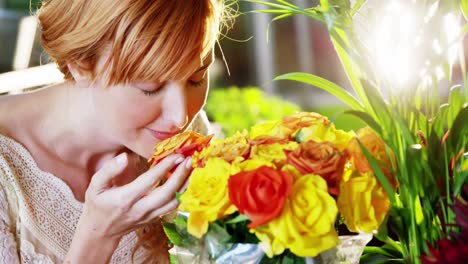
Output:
(121, 159)
(189, 163)
(178, 160)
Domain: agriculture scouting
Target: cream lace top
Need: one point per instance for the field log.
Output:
(39, 213)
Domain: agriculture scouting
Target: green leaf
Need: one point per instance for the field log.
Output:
(378, 104)
(377, 250)
(379, 174)
(171, 233)
(286, 3)
(180, 222)
(368, 119)
(440, 120)
(357, 5)
(323, 84)
(237, 219)
(459, 181)
(464, 8)
(418, 210)
(173, 259)
(216, 230)
(272, 11)
(455, 102)
(459, 130)
(352, 70)
(178, 195)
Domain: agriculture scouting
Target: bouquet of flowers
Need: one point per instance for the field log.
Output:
(406, 66)
(282, 187)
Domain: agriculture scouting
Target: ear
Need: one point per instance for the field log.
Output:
(81, 75)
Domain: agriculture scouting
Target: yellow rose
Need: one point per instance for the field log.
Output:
(293, 171)
(272, 152)
(270, 128)
(304, 119)
(306, 225)
(252, 164)
(268, 243)
(363, 203)
(233, 148)
(206, 198)
(321, 132)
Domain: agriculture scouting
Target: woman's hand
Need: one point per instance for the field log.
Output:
(110, 211)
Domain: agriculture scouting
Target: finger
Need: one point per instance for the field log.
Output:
(166, 192)
(178, 178)
(146, 182)
(184, 187)
(167, 208)
(104, 176)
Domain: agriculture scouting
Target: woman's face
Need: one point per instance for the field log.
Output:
(139, 114)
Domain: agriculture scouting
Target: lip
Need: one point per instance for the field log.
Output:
(161, 135)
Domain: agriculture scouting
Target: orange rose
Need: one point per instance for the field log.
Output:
(185, 143)
(376, 146)
(321, 158)
(260, 194)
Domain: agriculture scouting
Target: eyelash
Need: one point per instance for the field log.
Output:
(197, 84)
(153, 93)
(150, 93)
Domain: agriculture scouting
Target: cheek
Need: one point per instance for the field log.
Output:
(196, 100)
(136, 111)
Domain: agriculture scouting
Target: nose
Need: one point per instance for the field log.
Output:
(175, 105)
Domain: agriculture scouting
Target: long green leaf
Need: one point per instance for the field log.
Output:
(352, 72)
(357, 6)
(270, 11)
(455, 102)
(368, 119)
(459, 131)
(379, 174)
(323, 84)
(286, 3)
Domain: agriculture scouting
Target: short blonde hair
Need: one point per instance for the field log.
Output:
(150, 40)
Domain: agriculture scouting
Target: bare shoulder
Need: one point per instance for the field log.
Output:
(8, 112)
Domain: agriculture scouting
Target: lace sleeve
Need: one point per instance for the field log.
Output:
(8, 249)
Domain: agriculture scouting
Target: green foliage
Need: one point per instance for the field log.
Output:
(427, 134)
(236, 108)
(177, 233)
(23, 5)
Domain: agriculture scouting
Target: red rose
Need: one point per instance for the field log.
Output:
(260, 194)
(321, 158)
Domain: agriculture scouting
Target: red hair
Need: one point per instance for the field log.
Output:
(150, 40)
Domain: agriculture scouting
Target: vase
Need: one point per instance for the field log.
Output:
(349, 251)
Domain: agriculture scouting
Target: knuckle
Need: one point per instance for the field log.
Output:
(123, 204)
(137, 216)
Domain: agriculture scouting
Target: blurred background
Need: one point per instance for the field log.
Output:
(242, 90)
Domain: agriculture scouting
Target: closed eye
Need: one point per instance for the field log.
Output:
(150, 93)
(197, 83)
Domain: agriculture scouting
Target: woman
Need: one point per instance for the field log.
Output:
(72, 188)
